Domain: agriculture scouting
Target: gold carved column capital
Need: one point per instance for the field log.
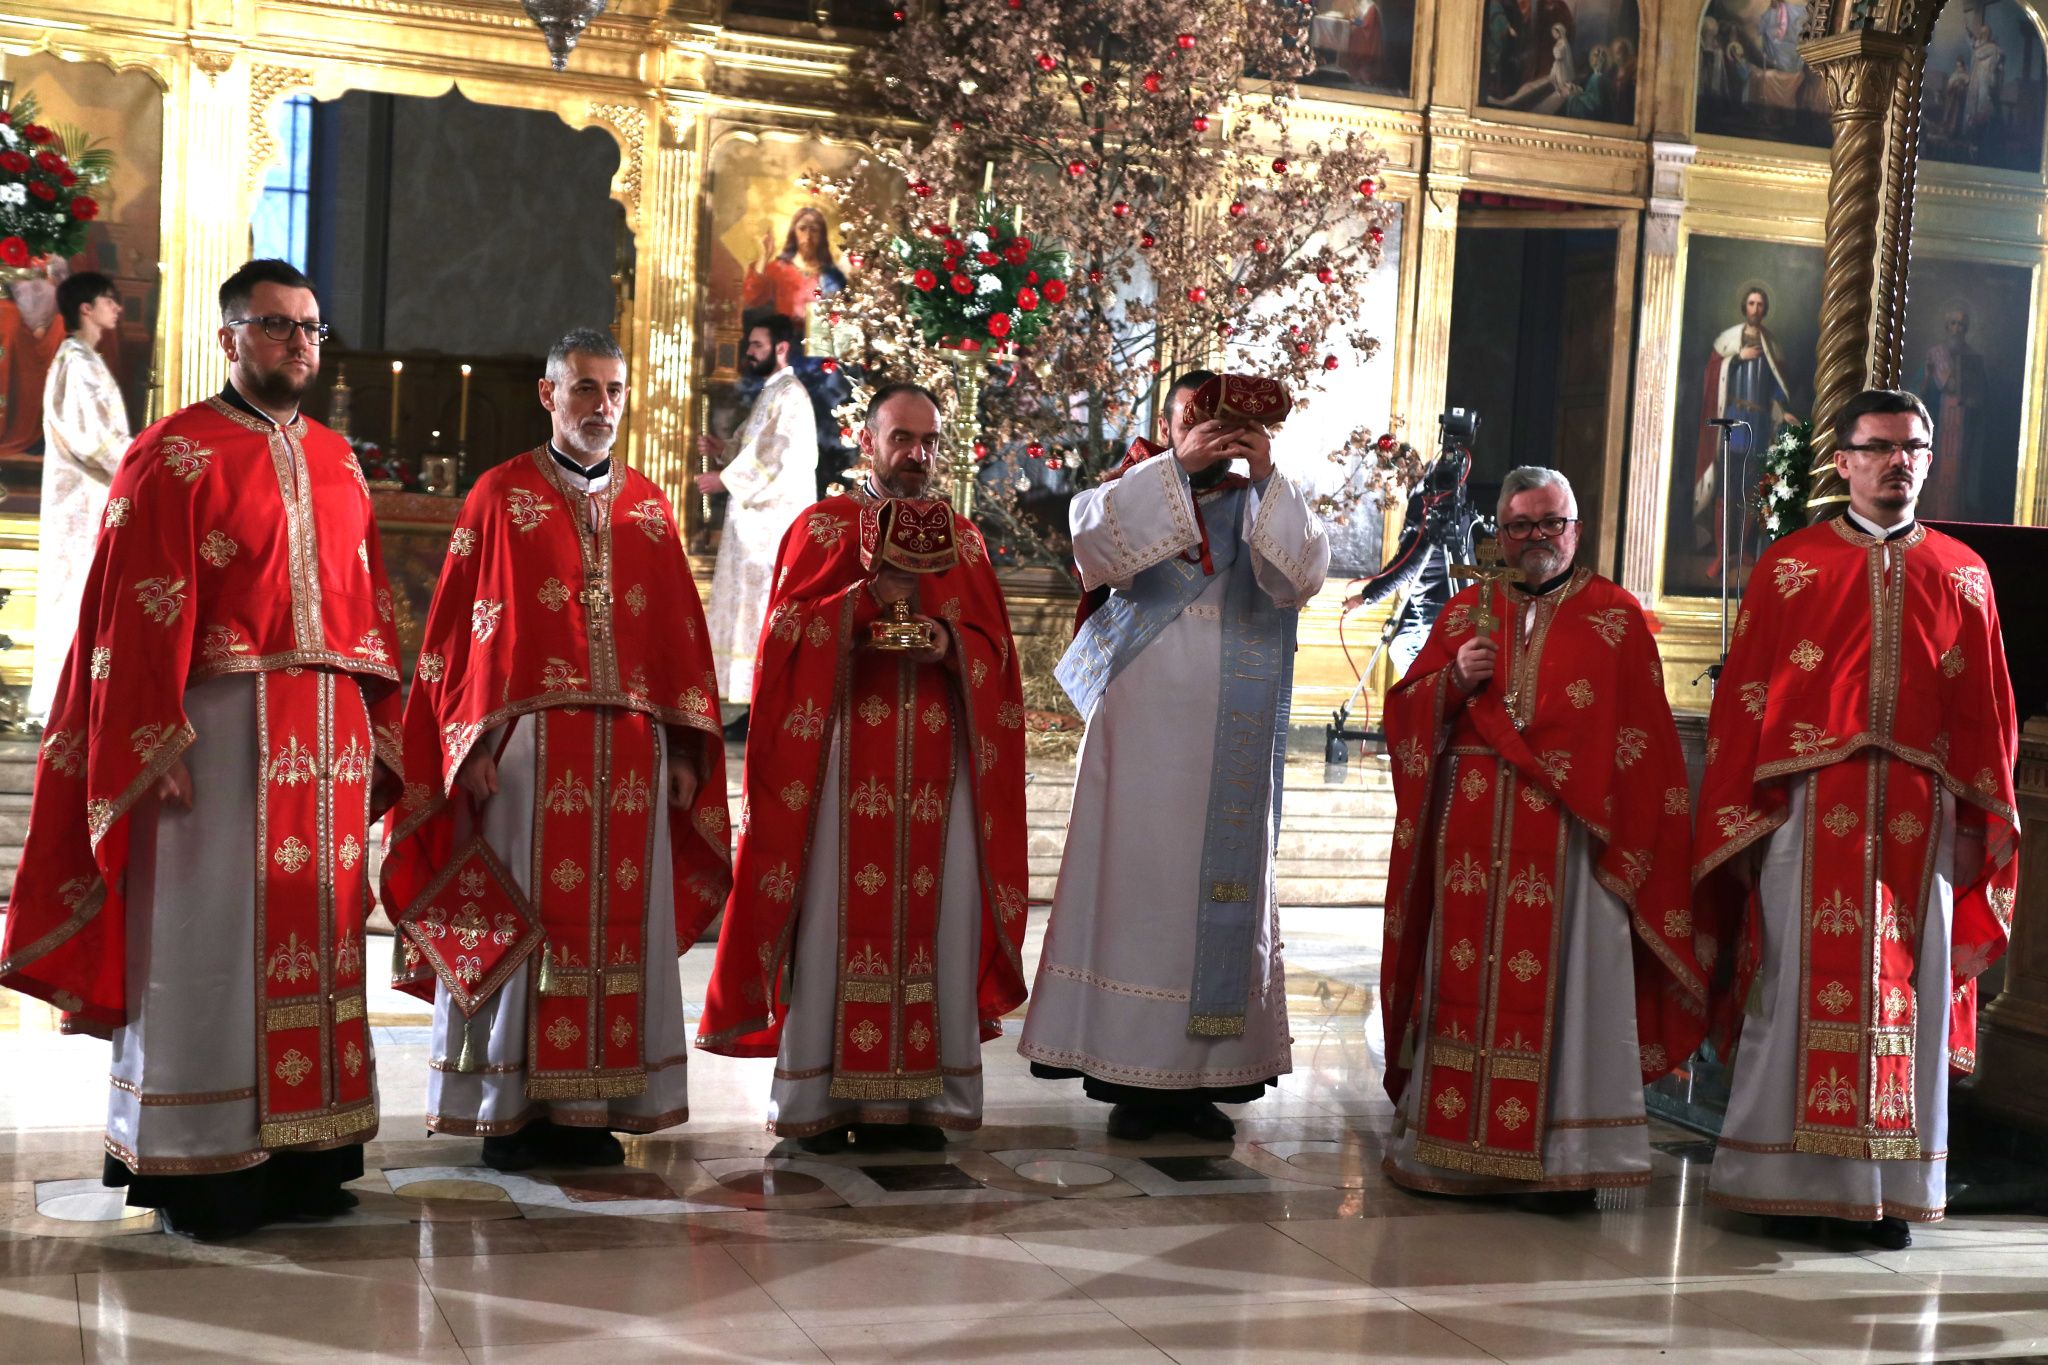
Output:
(1873, 84)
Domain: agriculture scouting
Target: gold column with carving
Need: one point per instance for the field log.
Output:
(1873, 83)
(1431, 347)
(211, 237)
(668, 286)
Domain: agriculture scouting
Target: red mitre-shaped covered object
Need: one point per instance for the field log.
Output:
(911, 534)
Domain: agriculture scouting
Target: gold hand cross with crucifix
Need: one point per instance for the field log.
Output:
(1492, 568)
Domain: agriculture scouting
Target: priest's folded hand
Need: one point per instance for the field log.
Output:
(174, 788)
(1210, 443)
(894, 585)
(478, 776)
(682, 780)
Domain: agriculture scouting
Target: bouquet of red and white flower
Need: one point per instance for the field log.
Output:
(975, 288)
(44, 206)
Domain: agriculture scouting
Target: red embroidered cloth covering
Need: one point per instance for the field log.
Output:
(228, 545)
(897, 723)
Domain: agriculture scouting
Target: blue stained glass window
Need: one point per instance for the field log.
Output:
(279, 226)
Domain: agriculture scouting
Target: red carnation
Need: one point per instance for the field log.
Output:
(13, 162)
(999, 324)
(85, 209)
(1055, 291)
(41, 190)
(13, 251)
(987, 257)
(67, 180)
(953, 247)
(50, 161)
(37, 133)
(925, 280)
(962, 285)
(1017, 252)
(1027, 300)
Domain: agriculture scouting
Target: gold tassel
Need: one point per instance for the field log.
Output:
(547, 975)
(466, 1060)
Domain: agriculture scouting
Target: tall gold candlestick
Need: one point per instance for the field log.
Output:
(397, 374)
(462, 418)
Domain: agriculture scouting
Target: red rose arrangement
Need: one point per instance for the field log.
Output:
(44, 207)
(976, 286)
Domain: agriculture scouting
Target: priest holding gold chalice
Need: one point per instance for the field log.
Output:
(872, 942)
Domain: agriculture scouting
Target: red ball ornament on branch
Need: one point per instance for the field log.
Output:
(897, 15)
(829, 365)
(1200, 123)
(1034, 450)
(1094, 277)
(1047, 62)
(1301, 348)
(1185, 42)
(1237, 209)
(1120, 210)
(856, 259)
(1261, 245)
(1087, 87)
(1329, 362)
(999, 324)
(1378, 234)
(1326, 276)
(1152, 82)
(1386, 442)
(1368, 188)
(1225, 329)
(1279, 165)
(1198, 295)
(981, 450)
(1147, 241)
(921, 189)
(1076, 169)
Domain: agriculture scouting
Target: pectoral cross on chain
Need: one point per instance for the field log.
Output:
(1492, 568)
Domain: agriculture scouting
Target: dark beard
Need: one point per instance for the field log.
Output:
(1206, 479)
(760, 369)
(278, 389)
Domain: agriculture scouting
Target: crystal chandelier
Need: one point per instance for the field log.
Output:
(562, 22)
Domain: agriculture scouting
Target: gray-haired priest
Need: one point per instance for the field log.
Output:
(563, 832)
(1540, 963)
(1160, 984)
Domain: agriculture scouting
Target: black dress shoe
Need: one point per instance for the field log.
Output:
(1205, 1121)
(1132, 1122)
(1890, 1234)
(317, 1201)
(520, 1151)
(585, 1147)
(920, 1137)
(208, 1225)
(831, 1142)
(1791, 1228)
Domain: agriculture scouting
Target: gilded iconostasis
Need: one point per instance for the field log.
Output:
(1641, 187)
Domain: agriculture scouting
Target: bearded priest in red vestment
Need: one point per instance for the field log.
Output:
(1857, 842)
(872, 941)
(1541, 961)
(563, 833)
(196, 877)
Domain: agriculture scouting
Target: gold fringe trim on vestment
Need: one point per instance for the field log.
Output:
(1216, 1026)
(326, 1128)
(587, 1087)
(1476, 1161)
(886, 1087)
(1456, 1056)
(1857, 1147)
(1517, 1068)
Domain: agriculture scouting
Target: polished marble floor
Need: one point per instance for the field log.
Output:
(1037, 1239)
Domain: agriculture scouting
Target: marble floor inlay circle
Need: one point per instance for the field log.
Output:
(1067, 1174)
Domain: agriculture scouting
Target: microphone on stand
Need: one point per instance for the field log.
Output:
(1724, 425)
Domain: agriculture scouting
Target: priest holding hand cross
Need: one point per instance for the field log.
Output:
(1540, 962)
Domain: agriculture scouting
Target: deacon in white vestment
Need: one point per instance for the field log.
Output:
(1202, 566)
(770, 478)
(85, 433)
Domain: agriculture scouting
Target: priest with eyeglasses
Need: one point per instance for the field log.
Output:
(1541, 964)
(1857, 847)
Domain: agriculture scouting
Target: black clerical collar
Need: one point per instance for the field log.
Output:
(232, 396)
(1871, 528)
(600, 470)
(1551, 585)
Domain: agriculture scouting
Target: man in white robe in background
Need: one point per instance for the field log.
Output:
(1161, 984)
(770, 478)
(85, 433)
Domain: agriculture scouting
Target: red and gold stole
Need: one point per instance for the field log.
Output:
(312, 896)
(1871, 838)
(597, 785)
(897, 731)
